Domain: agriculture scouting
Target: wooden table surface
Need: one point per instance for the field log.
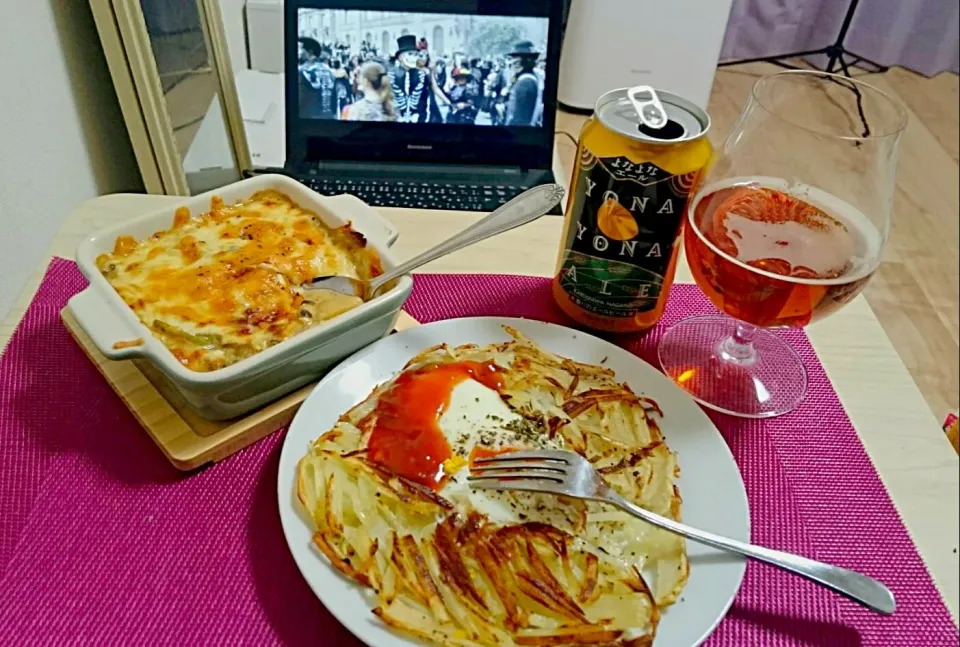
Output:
(901, 435)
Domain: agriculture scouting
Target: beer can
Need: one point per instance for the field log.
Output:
(639, 157)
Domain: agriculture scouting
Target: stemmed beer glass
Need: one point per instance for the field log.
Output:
(787, 226)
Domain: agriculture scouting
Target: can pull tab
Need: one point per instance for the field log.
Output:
(647, 104)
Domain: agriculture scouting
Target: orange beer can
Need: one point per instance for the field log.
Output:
(639, 158)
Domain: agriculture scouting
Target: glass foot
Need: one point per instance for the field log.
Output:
(732, 367)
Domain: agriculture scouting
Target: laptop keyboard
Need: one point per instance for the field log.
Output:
(418, 195)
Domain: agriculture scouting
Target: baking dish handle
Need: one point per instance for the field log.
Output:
(101, 322)
(382, 230)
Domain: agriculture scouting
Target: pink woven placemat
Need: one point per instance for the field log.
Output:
(102, 542)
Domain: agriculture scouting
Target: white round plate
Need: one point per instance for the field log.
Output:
(714, 498)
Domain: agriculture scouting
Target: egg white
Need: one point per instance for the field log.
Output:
(476, 415)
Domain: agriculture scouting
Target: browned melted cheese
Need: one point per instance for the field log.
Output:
(227, 284)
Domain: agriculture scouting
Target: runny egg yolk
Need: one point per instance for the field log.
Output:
(407, 439)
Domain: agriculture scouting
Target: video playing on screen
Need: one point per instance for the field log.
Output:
(421, 68)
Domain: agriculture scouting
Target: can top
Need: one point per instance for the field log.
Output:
(651, 116)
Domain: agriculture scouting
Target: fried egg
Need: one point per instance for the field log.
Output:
(478, 423)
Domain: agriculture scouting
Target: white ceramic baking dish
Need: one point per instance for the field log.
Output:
(256, 380)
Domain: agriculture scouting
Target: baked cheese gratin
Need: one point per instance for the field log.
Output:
(226, 284)
(387, 491)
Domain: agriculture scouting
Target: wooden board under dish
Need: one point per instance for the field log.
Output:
(187, 440)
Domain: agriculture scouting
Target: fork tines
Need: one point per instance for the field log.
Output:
(550, 455)
(524, 470)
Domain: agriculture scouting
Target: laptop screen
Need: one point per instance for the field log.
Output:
(421, 68)
(463, 81)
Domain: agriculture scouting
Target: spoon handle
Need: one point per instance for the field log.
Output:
(526, 207)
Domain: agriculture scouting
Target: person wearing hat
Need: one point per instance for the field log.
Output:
(464, 98)
(526, 93)
(410, 82)
(317, 88)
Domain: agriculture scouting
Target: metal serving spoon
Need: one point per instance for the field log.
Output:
(526, 207)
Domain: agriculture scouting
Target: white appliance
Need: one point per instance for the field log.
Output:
(611, 44)
(265, 35)
(262, 107)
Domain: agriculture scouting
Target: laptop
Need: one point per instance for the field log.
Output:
(416, 103)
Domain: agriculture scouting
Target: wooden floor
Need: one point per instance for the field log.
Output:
(916, 291)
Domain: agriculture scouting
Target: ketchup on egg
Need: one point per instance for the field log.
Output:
(407, 439)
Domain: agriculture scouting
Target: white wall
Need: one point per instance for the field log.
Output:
(62, 138)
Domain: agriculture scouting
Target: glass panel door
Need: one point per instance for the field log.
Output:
(191, 86)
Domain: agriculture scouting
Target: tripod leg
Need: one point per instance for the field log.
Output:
(877, 68)
(846, 70)
(835, 55)
(776, 60)
(868, 66)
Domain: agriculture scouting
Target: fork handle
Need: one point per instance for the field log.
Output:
(855, 586)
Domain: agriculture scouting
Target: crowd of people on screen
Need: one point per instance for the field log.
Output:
(411, 86)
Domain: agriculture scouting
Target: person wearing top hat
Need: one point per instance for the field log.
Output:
(410, 83)
(464, 98)
(526, 93)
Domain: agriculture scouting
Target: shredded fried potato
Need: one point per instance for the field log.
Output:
(458, 579)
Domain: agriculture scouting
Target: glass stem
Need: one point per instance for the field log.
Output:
(738, 348)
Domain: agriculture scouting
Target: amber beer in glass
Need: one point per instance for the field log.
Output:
(770, 258)
(638, 158)
(787, 226)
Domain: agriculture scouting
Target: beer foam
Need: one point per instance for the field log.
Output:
(819, 249)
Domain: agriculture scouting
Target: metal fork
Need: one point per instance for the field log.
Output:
(569, 474)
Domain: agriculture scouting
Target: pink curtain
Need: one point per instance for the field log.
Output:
(923, 35)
